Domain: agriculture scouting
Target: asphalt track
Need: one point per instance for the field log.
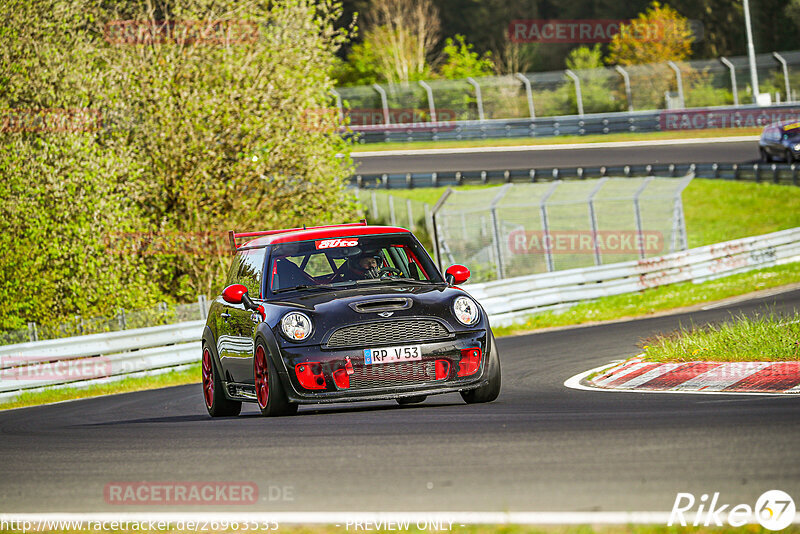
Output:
(730, 152)
(539, 447)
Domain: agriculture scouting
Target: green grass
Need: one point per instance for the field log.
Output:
(763, 338)
(718, 211)
(174, 378)
(560, 140)
(658, 299)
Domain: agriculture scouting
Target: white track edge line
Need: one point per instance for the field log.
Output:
(574, 382)
(559, 146)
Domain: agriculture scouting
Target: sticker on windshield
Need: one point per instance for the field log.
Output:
(794, 126)
(335, 243)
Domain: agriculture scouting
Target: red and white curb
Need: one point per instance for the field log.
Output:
(693, 377)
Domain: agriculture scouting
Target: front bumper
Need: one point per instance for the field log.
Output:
(389, 380)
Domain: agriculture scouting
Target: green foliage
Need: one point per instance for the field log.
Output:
(198, 135)
(584, 57)
(361, 67)
(460, 61)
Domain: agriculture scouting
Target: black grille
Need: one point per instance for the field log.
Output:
(392, 374)
(388, 332)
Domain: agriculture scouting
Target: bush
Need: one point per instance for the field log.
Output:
(200, 132)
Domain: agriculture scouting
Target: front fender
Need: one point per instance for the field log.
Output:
(264, 334)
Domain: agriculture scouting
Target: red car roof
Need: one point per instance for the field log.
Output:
(323, 233)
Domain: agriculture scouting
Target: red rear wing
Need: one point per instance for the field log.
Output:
(233, 237)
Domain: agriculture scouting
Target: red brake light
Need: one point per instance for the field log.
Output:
(310, 375)
(470, 362)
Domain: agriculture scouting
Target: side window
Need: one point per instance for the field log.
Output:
(249, 266)
(318, 265)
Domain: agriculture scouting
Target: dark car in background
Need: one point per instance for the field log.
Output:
(780, 142)
(342, 313)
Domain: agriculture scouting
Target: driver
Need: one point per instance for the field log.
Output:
(362, 266)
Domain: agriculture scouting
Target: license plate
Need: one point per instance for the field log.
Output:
(407, 353)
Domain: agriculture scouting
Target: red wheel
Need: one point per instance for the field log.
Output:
(213, 393)
(261, 377)
(271, 400)
(208, 379)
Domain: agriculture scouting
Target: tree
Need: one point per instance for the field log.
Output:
(460, 61)
(203, 108)
(403, 34)
(658, 35)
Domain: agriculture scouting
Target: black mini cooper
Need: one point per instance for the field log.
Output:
(342, 313)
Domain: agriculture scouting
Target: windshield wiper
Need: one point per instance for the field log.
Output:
(303, 287)
(396, 279)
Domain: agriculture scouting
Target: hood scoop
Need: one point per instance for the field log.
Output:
(381, 305)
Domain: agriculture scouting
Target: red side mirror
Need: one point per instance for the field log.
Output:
(233, 293)
(456, 274)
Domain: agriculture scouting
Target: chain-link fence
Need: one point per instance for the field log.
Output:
(382, 208)
(521, 229)
(160, 314)
(656, 86)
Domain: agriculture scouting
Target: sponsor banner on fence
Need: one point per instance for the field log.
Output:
(702, 119)
(585, 242)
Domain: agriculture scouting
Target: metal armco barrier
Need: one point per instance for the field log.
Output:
(778, 173)
(599, 123)
(98, 357)
(514, 298)
(115, 355)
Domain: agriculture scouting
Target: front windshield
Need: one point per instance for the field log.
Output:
(348, 261)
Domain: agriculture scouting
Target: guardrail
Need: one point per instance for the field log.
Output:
(113, 356)
(778, 173)
(508, 300)
(598, 123)
(97, 358)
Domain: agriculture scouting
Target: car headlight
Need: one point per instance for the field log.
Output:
(466, 310)
(296, 326)
(796, 147)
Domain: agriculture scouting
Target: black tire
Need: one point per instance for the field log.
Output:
(402, 401)
(765, 157)
(216, 403)
(489, 391)
(270, 396)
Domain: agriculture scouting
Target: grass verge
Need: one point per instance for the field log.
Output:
(763, 338)
(659, 299)
(173, 378)
(559, 140)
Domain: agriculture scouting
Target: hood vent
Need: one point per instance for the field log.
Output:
(381, 305)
